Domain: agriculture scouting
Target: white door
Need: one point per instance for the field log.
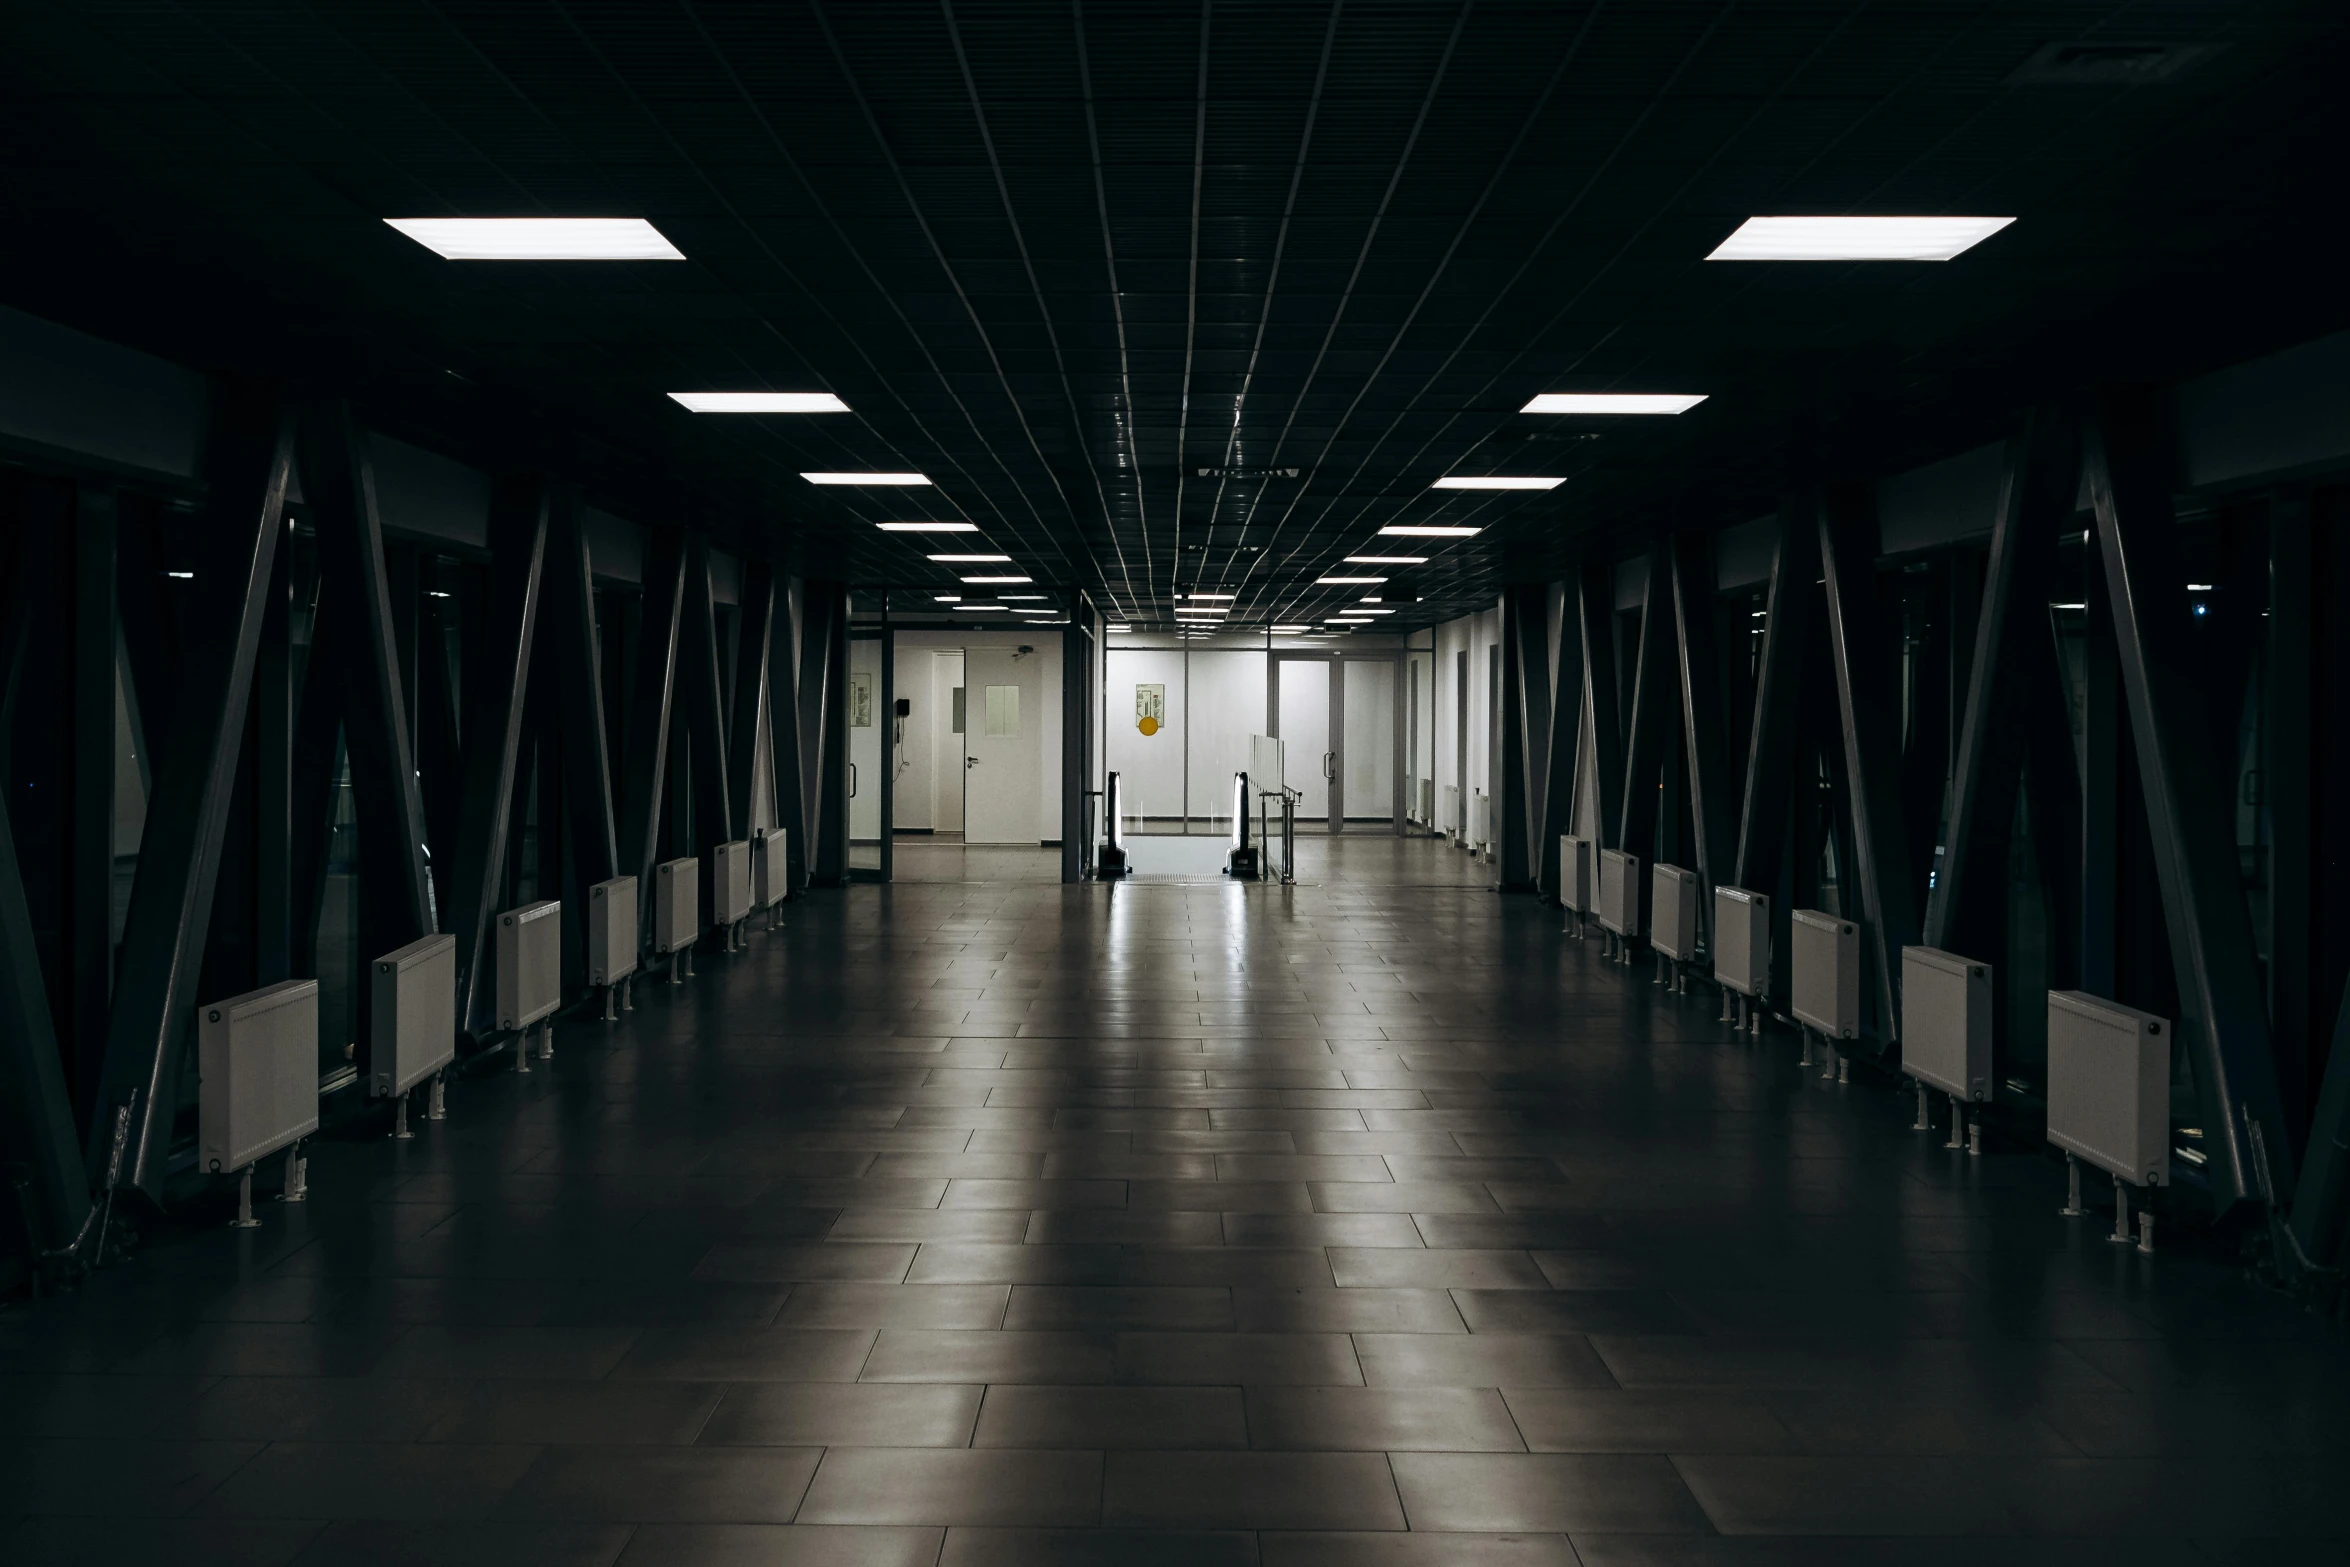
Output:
(1003, 750)
(946, 707)
(1305, 733)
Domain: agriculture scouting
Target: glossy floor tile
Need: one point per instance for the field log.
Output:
(979, 1220)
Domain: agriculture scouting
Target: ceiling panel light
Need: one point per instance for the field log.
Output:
(948, 598)
(1613, 403)
(1119, 626)
(866, 478)
(1495, 481)
(969, 559)
(1409, 530)
(999, 579)
(1387, 560)
(539, 239)
(1008, 597)
(1347, 582)
(1208, 595)
(1371, 612)
(1855, 238)
(1282, 631)
(998, 609)
(760, 402)
(928, 527)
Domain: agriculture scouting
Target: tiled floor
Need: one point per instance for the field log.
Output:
(1000, 1222)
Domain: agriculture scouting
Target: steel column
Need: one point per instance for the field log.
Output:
(1525, 719)
(2321, 1203)
(1595, 596)
(2286, 772)
(1704, 716)
(1788, 603)
(1652, 686)
(36, 1110)
(1869, 713)
(338, 490)
(825, 703)
(705, 703)
(756, 637)
(574, 656)
(90, 805)
(2188, 811)
(645, 765)
(248, 463)
(1566, 730)
(783, 731)
(497, 693)
(2014, 667)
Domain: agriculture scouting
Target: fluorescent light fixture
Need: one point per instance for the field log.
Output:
(948, 598)
(1348, 582)
(539, 239)
(1346, 620)
(2198, 587)
(928, 527)
(181, 576)
(2083, 605)
(1373, 598)
(1495, 481)
(866, 478)
(1855, 238)
(1283, 631)
(1370, 611)
(987, 609)
(1201, 614)
(1120, 626)
(1409, 530)
(760, 402)
(435, 593)
(999, 579)
(1008, 597)
(1613, 403)
(1207, 595)
(968, 559)
(1387, 560)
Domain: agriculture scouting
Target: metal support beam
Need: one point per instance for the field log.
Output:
(705, 703)
(36, 1111)
(2321, 1203)
(784, 731)
(567, 642)
(1525, 736)
(338, 490)
(1077, 672)
(2014, 667)
(756, 635)
(90, 804)
(1652, 693)
(1595, 604)
(646, 763)
(497, 692)
(315, 777)
(1788, 603)
(1869, 713)
(824, 703)
(1704, 716)
(2287, 773)
(248, 463)
(2188, 809)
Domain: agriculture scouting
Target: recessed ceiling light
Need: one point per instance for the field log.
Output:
(1345, 620)
(1613, 403)
(928, 527)
(948, 598)
(999, 579)
(866, 478)
(540, 239)
(1387, 560)
(1373, 598)
(969, 559)
(1407, 530)
(760, 402)
(1208, 595)
(1372, 612)
(1495, 481)
(1347, 582)
(1119, 626)
(2198, 587)
(997, 609)
(1008, 597)
(1855, 238)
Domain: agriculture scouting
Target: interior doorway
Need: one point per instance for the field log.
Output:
(1003, 752)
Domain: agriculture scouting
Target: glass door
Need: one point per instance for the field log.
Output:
(1370, 752)
(870, 751)
(1305, 690)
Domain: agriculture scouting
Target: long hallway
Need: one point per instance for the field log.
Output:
(1006, 1222)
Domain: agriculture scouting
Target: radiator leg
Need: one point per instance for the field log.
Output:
(244, 1219)
(2121, 1215)
(610, 1016)
(522, 1051)
(1844, 1069)
(297, 1176)
(1957, 1125)
(1830, 1059)
(1754, 1006)
(676, 966)
(628, 994)
(2072, 1208)
(2146, 1231)
(1974, 1136)
(1925, 1120)
(1805, 1031)
(400, 1132)
(547, 1040)
(437, 1108)
(689, 962)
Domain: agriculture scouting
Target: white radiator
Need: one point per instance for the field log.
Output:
(1825, 959)
(1946, 1021)
(1427, 802)
(1480, 819)
(1575, 874)
(1619, 893)
(770, 866)
(612, 930)
(730, 882)
(1672, 912)
(2109, 1086)
(1742, 941)
(530, 963)
(1452, 822)
(258, 1058)
(412, 1015)
(677, 904)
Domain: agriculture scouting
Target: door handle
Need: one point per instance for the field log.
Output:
(1328, 757)
(852, 780)
(970, 761)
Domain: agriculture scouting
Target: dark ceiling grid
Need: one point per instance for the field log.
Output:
(947, 268)
(1310, 469)
(1199, 153)
(1043, 308)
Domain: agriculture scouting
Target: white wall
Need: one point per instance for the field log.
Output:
(1476, 635)
(1149, 767)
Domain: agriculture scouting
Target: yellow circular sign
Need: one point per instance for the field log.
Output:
(1149, 726)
